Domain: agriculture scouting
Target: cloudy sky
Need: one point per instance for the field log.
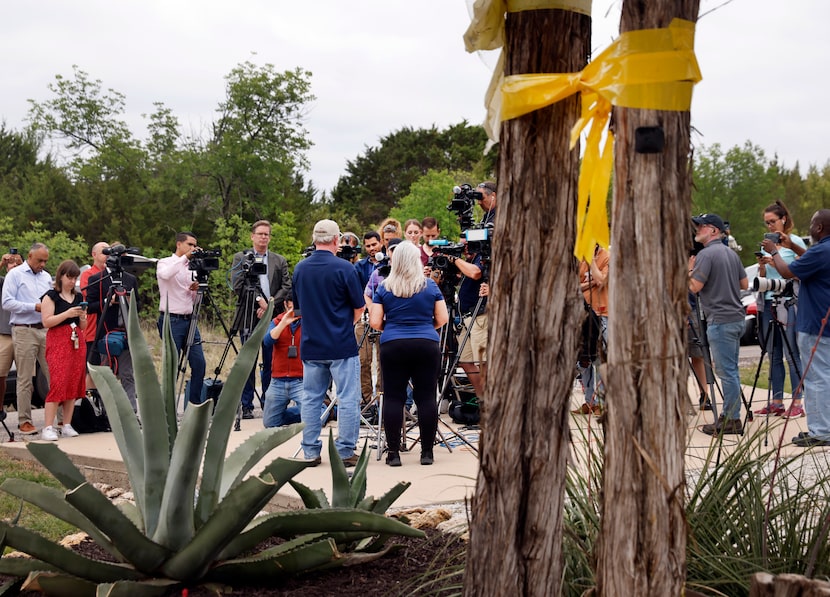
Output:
(379, 65)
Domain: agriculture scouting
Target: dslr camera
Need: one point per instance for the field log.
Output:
(780, 287)
(348, 252)
(441, 253)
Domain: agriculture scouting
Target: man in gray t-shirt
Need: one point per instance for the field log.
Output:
(718, 277)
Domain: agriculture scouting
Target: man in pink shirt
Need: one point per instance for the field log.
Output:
(177, 295)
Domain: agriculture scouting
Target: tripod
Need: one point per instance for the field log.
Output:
(202, 296)
(697, 334)
(775, 332)
(376, 401)
(244, 322)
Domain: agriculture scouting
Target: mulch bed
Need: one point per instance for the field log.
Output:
(398, 573)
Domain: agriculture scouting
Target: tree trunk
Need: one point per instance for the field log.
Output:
(643, 537)
(516, 531)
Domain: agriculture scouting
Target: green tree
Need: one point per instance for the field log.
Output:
(258, 145)
(737, 185)
(429, 196)
(376, 181)
(61, 245)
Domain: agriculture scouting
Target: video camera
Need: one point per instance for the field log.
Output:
(205, 259)
(348, 252)
(253, 266)
(462, 204)
(442, 250)
(119, 257)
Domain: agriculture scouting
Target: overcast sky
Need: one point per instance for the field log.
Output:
(379, 65)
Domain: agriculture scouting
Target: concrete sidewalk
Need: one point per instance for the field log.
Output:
(451, 479)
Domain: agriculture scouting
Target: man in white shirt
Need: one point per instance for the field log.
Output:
(22, 290)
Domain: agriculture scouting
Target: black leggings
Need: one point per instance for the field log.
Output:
(401, 360)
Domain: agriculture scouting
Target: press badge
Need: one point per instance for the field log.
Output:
(292, 352)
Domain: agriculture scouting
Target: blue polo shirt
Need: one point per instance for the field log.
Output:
(813, 269)
(410, 317)
(326, 292)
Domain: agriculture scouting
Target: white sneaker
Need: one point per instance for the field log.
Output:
(49, 433)
(68, 431)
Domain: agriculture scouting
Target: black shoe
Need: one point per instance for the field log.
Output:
(724, 427)
(393, 459)
(247, 413)
(705, 403)
(809, 441)
(314, 461)
(426, 458)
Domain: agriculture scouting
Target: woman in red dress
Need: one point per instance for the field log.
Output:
(64, 317)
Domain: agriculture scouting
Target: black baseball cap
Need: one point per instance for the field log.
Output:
(710, 220)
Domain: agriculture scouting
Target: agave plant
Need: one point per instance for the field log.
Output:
(183, 529)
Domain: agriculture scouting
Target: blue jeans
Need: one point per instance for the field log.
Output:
(195, 358)
(775, 347)
(281, 391)
(265, 376)
(589, 374)
(817, 384)
(316, 377)
(725, 343)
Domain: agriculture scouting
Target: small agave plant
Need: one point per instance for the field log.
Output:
(175, 536)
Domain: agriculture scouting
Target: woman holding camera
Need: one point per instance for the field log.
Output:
(409, 308)
(775, 309)
(64, 317)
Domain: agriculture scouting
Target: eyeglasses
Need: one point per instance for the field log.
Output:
(771, 222)
(390, 228)
(490, 188)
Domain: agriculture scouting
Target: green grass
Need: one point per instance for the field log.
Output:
(31, 517)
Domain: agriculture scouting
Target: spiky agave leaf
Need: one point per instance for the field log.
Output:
(223, 418)
(240, 462)
(304, 553)
(125, 428)
(176, 521)
(55, 584)
(53, 501)
(156, 433)
(65, 559)
(231, 516)
(292, 524)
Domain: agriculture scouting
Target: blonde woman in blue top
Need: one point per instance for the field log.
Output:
(409, 308)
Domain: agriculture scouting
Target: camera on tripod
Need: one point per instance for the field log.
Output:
(348, 252)
(463, 200)
(441, 253)
(779, 287)
(253, 266)
(119, 257)
(204, 260)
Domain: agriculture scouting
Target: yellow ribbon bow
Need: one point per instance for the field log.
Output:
(653, 69)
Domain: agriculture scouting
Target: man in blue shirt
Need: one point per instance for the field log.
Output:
(328, 297)
(812, 268)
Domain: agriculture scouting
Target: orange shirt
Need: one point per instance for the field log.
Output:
(91, 318)
(596, 294)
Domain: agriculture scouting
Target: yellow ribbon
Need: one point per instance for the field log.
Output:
(653, 69)
(486, 31)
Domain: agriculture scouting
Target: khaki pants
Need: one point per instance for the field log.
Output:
(366, 361)
(29, 348)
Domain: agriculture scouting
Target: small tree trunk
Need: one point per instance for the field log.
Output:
(643, 536)
(516, 531)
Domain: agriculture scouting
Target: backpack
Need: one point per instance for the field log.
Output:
(90, 416)
(465, 413)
